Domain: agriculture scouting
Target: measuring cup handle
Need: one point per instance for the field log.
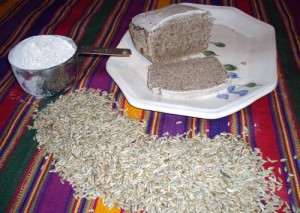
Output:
(86, 50)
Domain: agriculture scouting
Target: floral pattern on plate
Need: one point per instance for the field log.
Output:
(233, 88)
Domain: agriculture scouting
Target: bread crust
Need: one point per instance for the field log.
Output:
(171, 33)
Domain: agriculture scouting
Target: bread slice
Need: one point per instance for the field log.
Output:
(171, 33)
(188, 78)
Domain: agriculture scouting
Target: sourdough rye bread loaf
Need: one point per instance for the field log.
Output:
(171, 33)
(188, 78)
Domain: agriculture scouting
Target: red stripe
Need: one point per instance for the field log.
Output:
(95, 203)
(76, 13)
(244, 5)
(9, 104)
(74, 205)
(266, 138)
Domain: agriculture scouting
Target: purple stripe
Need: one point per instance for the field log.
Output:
(70, 199)
(4, 66)
(198, 125)
(169, 125)
(82, 206)
(110, 86)
(44, 19)
(217, 126)
(43, 191)
(54, 193)
(217, 2)
(85, 206)
(294, 10)
(239, 126)
(100, 78)
(189, 1)
(150, 122)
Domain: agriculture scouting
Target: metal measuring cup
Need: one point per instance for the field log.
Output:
(47, 82)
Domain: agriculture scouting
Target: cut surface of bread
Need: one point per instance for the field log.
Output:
(171, 33)
(188, 78)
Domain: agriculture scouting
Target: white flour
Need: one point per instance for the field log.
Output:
(41, 52)
(31, 56)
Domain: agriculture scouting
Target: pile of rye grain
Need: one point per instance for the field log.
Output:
(104, 154)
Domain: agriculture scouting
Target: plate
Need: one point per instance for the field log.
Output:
(243, 44)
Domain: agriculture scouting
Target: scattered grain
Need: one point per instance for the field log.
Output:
(104, 154)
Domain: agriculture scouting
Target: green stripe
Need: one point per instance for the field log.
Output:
(97, 23)
(11, 177)
(284, 50)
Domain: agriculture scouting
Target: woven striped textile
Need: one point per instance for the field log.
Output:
(26, 185)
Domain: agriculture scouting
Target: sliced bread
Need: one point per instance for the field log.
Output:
(188, 78)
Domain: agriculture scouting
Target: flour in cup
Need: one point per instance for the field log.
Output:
(41, 52)
(34, 62)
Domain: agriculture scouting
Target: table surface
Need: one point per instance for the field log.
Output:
(26, 185)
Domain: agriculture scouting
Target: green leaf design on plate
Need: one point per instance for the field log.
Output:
(218, 44)
(250, 85)
(230, 67)
(209, 53)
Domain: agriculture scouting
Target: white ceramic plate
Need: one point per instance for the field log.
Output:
(249, 46)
